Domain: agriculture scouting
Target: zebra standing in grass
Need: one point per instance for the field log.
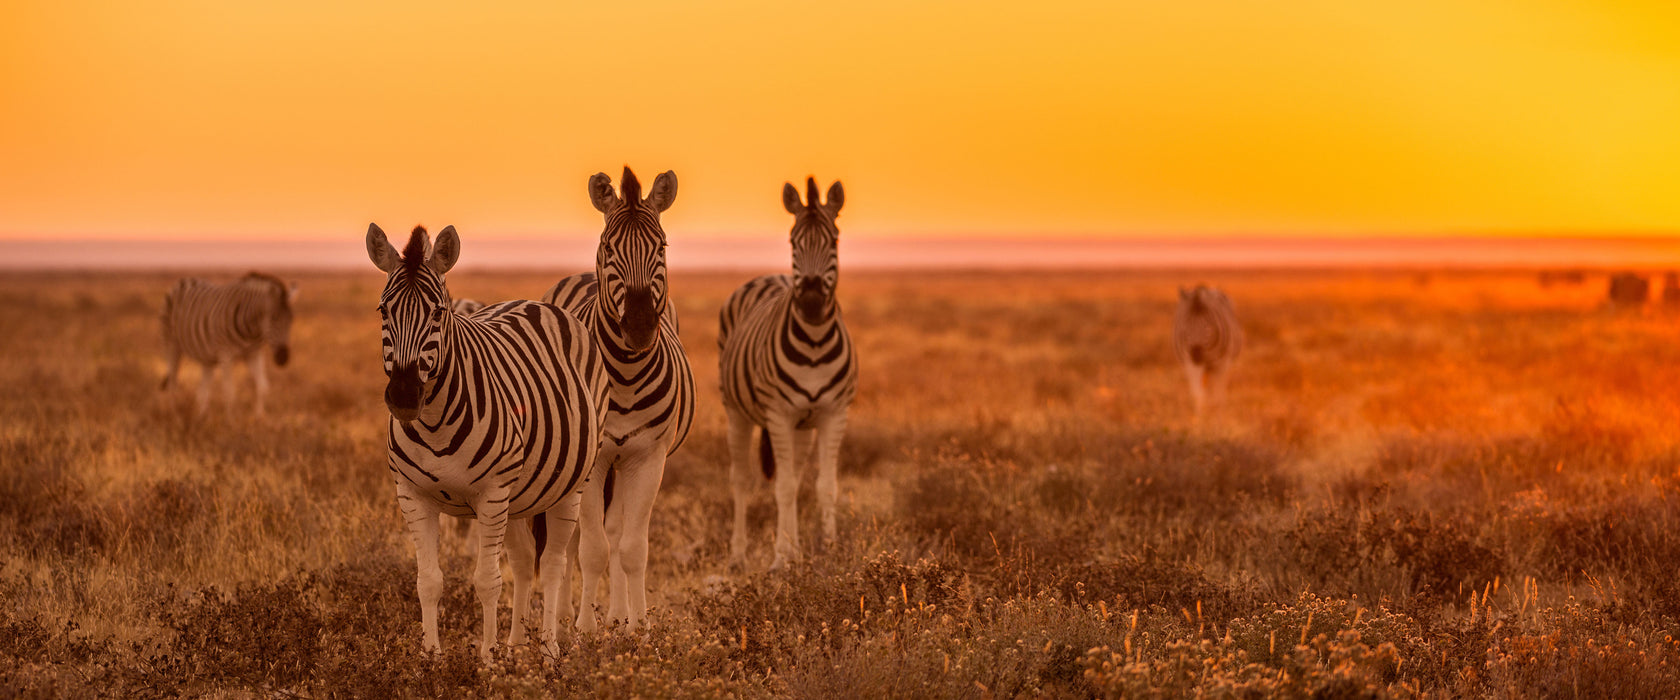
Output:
(1208, 339)
(496, 416)
(786, 364)
(626, 304)
(217, 324)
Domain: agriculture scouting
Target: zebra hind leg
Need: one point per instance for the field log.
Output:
(487, 579)
(206, 383)
(522, 560)
(172, 358)
(742, 480)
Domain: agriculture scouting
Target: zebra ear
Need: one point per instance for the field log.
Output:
(790, 199)
(380, 251)
(836, 198)
(445, 250)
(601, 193)
(664, 191)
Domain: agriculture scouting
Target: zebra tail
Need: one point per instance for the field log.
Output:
(766, 454)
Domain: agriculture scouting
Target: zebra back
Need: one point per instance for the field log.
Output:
(211, 322)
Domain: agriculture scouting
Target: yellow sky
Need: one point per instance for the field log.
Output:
(310, 118)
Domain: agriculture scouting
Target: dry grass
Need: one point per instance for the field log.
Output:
(1442, 485)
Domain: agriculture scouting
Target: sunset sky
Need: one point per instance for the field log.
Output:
(308, 119)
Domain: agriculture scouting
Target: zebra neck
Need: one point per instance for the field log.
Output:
(609, 337)
(434, 398)
(815, 335)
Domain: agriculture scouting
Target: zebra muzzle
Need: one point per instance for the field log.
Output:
(641, 319)
(402, 394)
(282, 355)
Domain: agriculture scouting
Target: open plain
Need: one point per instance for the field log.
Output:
(1422, 484)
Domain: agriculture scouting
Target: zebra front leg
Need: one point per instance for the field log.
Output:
(1218, 380)
(593, 557)
(630, 514)
(492, 531)
(522, 560)
(780, 432)
(829, 433)
(421, 515)
(1198, 387)
(259, 379)
(743, 476)
(171, 358)
(556, 571)
(229, 391)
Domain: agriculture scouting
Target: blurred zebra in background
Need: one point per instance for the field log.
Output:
(466, 307)
(495, 416)
(786, 365)
(217, 324)
(1208, 340)
(626, 304)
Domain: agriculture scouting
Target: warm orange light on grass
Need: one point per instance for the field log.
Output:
(1070, 118)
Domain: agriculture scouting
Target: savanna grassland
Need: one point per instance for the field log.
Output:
(1434, 485)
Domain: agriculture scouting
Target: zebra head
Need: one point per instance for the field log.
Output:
(630, 262)
(816, 256)
(276, 323)
(412, 312)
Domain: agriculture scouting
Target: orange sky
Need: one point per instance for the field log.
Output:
(307, 119)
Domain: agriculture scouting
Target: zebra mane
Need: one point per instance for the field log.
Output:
(631, 189)
(812, 201)
(414, 254)
(278, 284)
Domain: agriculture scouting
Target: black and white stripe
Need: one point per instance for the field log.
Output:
(218, 324)
(495, 416)
(625, 304)
(1208, 340)
(787, 365)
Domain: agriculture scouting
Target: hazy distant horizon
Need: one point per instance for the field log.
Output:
(578, 252)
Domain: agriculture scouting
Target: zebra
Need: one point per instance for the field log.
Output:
(1207, 339)
(216, 324)
(786, 364)
(497, 416)
(626, 305)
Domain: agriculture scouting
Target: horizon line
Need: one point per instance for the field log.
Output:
(979, 252)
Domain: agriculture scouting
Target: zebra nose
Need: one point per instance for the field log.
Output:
(810, 286)
(402, 394)
(641, 319)
(282, 354)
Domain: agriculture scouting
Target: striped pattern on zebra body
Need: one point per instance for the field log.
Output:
(625, 304)
(496, 416)
(219, 324)
(1207, 339)
(786, 364)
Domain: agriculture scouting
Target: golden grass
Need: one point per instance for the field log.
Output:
(1438, 484)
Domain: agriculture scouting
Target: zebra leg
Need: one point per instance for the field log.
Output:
(827, 447)
(627, 530)
(421, 514)
(259, 378)
(206, 382)
(742, 478)
(556, 570)
(1198, 386)
(522, 559)
(229, 391)
(592, 544)
(172, 358)
(492, 531)
(781, 436)
(1218, 379)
